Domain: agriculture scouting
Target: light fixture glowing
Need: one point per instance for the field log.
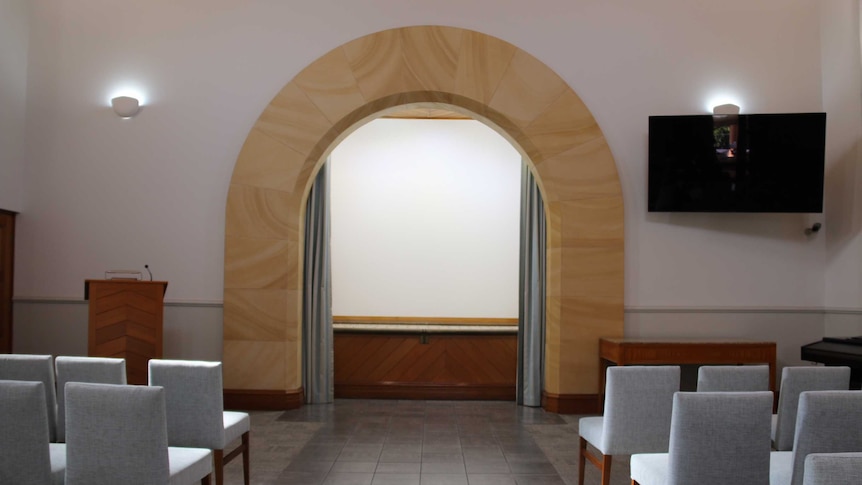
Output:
(721, 97)
(725, 109)
(125, 106)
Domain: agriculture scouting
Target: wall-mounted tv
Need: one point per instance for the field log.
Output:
(737, 163)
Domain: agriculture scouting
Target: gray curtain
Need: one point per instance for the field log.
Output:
(531, 309)
(317, 348)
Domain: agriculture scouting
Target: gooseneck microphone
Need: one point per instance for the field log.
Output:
(147, 267)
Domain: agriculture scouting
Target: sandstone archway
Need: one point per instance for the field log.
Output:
(495, 82)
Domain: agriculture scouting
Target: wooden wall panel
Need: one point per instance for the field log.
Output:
(425, 366)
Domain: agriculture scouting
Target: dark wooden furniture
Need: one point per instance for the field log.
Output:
(7, 259)
(418, 364)
(623, 351)
(126, 322)
(837, 351)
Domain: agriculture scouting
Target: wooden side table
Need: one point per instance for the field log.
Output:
(623, 351)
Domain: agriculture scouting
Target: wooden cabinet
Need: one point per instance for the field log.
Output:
(7, 251)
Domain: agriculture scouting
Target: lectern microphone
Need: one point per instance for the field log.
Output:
(147, 267)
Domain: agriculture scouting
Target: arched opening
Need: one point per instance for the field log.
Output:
(494, 81)
(425, 224)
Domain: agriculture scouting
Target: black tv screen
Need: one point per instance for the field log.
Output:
(737, 163)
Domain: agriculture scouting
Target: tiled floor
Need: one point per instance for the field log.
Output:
(389, 442)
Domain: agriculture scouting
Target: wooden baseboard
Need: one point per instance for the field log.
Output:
(570, 403)
(418, 390)
(260, 400)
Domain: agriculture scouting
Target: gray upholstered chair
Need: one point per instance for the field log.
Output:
(99, 370)
(716, 438)
(638, 403)
(40, 368)
(26, 456)
(832, 469)
(795, 380)
(196, 415)
(733, 378)
(827, 422)
(118, 434)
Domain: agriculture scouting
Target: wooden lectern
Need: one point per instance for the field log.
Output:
(126, 322)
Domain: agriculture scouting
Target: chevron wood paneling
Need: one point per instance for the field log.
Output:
(429, 366)
(126, 322)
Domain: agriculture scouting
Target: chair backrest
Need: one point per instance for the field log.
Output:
(24, 455)
(638, 404)
(97, 370)
(40, 368)
(733, 378)
(795, 380)
(115, 434)
(193, 397)
(828, 422)
(833, 469)
(718, 438)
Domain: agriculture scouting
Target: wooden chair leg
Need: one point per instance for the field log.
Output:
(218, 466)
(206, 480)
(602, 462)
(606, 469)
(634, 482)
(582, 460)
(246, 452)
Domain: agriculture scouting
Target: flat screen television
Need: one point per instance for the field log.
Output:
(737, 163)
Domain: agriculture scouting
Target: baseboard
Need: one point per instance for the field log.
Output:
(570, 403)
(259, 400)
(432, 391)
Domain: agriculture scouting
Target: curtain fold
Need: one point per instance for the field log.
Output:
(317, 348)
(531, 308)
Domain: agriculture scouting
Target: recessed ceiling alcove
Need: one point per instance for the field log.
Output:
(424, 66)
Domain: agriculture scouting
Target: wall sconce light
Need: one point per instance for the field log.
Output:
(125, 106)
(725, 109)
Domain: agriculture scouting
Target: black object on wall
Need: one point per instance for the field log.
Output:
(737, 163)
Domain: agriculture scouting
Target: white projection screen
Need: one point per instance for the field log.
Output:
(425, 221)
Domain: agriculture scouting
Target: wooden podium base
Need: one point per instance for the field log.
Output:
(126, 322)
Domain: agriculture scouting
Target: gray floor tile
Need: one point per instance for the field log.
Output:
(348, 479)
(396, 479)
(398, 468)
(490, 479)
(443, 468)
(443, 479)
(383, 442)
(354, 467)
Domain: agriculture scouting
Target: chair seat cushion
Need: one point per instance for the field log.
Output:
(58, 463)
(833, 468)
(235, 424)
(650, 468)
(189, 465)
(591, 429)
(780, 467)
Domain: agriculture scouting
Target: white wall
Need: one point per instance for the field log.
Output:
(14, 22)
(104, 193)
(425, 221)
(842, 98)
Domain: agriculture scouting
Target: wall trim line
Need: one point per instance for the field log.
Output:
(628, 309)
(49, 300)
(752, 309)
(570, 403)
